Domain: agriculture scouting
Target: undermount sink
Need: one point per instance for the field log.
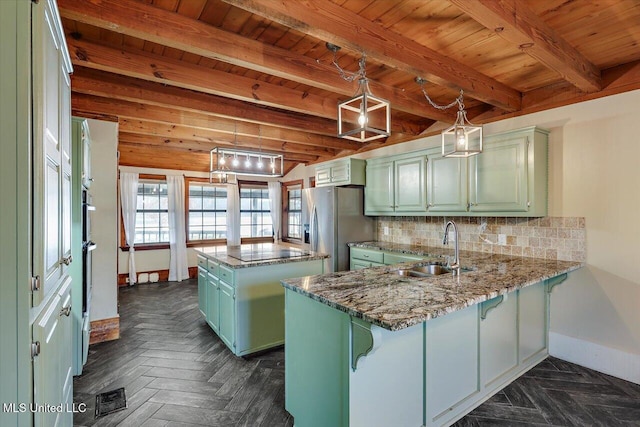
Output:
(434, 269)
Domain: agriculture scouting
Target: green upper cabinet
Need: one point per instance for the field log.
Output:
(341, 172)
(396, 186)
(509, 178)
(379, 192)
(446, 183)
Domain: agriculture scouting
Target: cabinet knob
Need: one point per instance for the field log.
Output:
(66, 311)
(67, 260)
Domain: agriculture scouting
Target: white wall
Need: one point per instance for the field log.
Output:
(104, 220)
(594, 172)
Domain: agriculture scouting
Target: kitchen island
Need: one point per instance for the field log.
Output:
(397, 350)
(239, 291)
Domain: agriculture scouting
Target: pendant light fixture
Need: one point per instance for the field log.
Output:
(364, 117)
(463, 139)
(226, 161)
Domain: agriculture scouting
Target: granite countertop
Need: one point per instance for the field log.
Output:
(258, 254)
(381, 297)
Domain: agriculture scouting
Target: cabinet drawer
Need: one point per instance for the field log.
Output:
(398, 258)
(367, 255)
(202, 261)
(212, 266)
(226, 274)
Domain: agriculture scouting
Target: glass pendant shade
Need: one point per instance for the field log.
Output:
(220, 164)
(462, 139)
(364, 117)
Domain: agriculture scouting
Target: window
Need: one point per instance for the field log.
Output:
(255, 214)
(152, 215)
(292, 207)
(207, 219)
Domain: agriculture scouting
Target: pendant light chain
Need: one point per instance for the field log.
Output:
(458, 100)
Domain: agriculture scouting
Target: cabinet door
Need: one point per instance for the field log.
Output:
(378, 194)
(227, 328)
(498, 338)
(451, 363)
(86, 156)
(202, 291)
(446, 184)
(532, 321)
(498, 177)
(323, 176)
(340, 173)
(358, 265)
(52, 366)
(213, 302)
(410, 185)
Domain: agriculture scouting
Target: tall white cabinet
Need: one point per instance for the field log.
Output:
(35, 225)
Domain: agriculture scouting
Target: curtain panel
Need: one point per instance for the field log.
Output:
(128, 201)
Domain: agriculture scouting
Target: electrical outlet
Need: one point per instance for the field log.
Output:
(385, 230)
(126, 279)
(502, 239)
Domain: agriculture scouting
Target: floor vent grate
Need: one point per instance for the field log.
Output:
(110, 401)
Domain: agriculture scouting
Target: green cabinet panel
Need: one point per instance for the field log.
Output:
(532, 322)
(446, 183)
(212, 301)
(379, 192)
(202, 289)
(345, 171)
(498, 177)
(392, 258)
(410, 184)
(451, 362)
(227, 305)
(499, 338)
(364, 258)
(317, 368)
(396, 185)
(370, 255)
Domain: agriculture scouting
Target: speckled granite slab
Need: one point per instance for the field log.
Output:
(380, 296)
(221, 254)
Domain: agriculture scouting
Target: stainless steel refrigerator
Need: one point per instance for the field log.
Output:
(334, 216)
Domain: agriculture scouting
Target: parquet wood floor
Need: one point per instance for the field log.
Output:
(178, 373)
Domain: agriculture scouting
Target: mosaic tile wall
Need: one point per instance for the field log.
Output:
(550, 237)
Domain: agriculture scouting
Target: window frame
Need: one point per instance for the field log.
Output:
(123, 240)
(285, 212)
(244, 240)
(198, 243)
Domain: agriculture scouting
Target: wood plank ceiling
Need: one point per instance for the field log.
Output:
(184, 76)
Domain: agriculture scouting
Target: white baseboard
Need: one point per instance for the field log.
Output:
(597, 357)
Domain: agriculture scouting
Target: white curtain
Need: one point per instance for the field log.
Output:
(179, 263)
(275, 204)
(233, 215)
(128, 200)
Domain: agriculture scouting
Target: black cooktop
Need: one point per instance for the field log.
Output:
(263, 255)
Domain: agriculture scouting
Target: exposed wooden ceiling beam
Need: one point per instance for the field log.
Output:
(133, 110)
(147, 66)
(180, 32)
(516, 22)
(100, 83)
(328, 21)
(145, 156)
(212, 138)
(199, 146)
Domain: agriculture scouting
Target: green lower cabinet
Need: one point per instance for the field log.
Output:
(352, 373)
(227, 326)
(212, 298)
(202, 288)
(245, 306)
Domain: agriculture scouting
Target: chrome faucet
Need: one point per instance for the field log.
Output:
(455, 267)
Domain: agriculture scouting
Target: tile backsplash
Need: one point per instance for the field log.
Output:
(561, 238)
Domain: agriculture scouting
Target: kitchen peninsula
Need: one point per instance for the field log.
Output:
(400, 350)
(239, 291)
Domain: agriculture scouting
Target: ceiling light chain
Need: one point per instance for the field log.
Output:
(463, 139)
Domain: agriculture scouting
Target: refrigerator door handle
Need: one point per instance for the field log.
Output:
(313, 229)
